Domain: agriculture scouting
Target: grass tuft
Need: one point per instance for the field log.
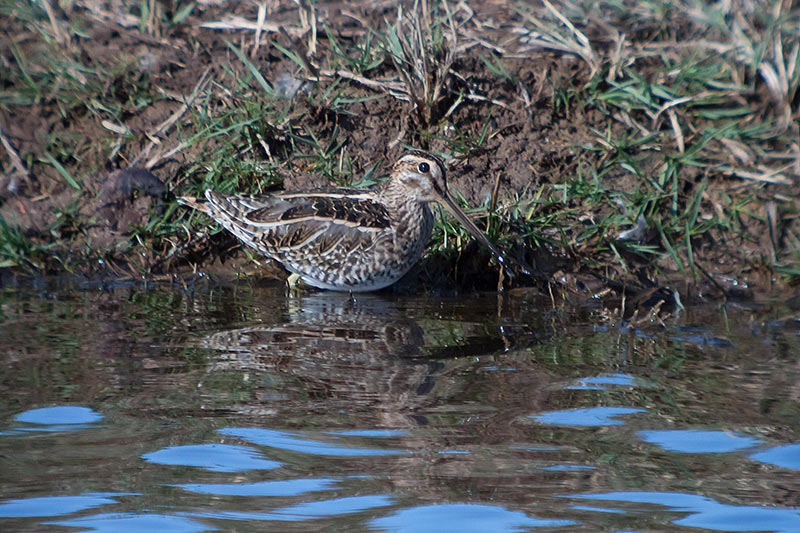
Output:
(421, 46)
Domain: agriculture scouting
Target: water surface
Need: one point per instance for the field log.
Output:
(244, 408)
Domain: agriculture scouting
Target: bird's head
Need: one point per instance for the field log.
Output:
(420, 176)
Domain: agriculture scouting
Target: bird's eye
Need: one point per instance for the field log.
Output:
(424, 168)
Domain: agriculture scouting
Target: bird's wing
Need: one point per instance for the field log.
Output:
(320, 220)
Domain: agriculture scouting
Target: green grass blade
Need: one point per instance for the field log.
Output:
(291, 55)
(48, 158)
(253, 70)
(182, 13)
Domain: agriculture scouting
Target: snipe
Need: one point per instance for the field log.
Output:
(345, 239)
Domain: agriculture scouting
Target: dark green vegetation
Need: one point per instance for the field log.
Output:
(637, 143)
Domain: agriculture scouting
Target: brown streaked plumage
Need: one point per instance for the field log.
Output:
(345, 239)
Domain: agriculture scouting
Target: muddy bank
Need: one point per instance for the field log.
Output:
(111, 114)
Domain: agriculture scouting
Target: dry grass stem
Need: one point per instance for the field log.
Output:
(18, 168)
(162, 128)
(235, 22)
(676, 128)
(60, 36)
(260, 21)
(548, 36)
(394, 88)
(766, 175)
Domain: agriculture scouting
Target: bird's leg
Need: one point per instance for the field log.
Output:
(294, 281)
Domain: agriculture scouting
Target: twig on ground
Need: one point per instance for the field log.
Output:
(17, 166)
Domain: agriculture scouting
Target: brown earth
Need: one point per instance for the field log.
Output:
(532, 141)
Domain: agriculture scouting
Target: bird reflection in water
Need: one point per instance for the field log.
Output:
(329, 324)
(360, 350)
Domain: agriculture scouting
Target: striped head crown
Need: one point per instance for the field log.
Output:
(421, 175)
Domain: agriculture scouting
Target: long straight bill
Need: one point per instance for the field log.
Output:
(462, 217)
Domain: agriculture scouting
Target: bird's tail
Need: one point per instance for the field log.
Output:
(222, 207)
(227, 211)
(194, 203)
(216, 205)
